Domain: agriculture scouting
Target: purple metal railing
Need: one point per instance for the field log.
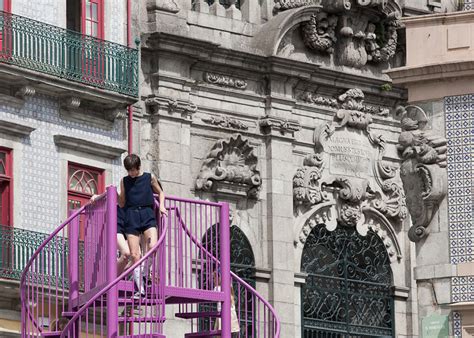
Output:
(69, 287)
(196, 219)
(140, 314)
(69, 267)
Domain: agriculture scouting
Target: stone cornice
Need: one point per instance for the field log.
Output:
(55, 86)
(440, 18)
(14, 128)
(432, 72)
(87, 146)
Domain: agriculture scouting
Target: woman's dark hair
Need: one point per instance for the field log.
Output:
(132, 161)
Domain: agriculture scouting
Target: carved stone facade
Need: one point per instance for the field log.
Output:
(357, 176)
(231, 161)
(423, 170)
(287, 114)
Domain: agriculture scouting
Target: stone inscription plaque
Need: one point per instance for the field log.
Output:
(350, 154)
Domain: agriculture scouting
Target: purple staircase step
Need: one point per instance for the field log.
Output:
(191, 315)
(141, 319)
(175, 295)
(53, 334)
(149, 335)
(203, 334)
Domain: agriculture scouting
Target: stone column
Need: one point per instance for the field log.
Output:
(279, 211)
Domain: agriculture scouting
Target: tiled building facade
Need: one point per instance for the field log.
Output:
(447, 95)
(63, 129)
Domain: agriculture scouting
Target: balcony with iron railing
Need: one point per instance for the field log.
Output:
(64, 62)
(17, 247)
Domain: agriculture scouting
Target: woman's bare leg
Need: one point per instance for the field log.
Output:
(124, 250)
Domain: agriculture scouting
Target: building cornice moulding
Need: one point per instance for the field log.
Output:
(439, 19)
(86, 146)
(432, 72)
(15, 128)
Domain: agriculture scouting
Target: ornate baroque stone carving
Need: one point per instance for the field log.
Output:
(356, 177)
(281, 5)
(319, 33)
(355, 32)
(340, 101)
(232, 161)
(423, 169)
(225, 122)
(282, 125)
(306, 185)
(223, 80)
(184, 109)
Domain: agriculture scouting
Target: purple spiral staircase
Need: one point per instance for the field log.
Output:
(70, 287)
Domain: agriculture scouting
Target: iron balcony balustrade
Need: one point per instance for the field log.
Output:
(67, 54)
(18, 245)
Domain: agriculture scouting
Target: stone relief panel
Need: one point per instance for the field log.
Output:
(423, 169)
(348, 170)
(224, 81)
(352, 33)
(225, 122)
(232, 166)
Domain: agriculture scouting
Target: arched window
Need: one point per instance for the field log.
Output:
(242, 263)
(347, 290)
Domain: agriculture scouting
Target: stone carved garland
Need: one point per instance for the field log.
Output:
(223, 80)
(225, 122)
(356, 177)
(331, 102)
(231, 161)
(423, 170)
(319, 33)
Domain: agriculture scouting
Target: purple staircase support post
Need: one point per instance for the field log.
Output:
(225, 269)
(73, 264)
(111, 256)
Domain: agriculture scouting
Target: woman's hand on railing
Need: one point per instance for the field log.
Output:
(163, 210)
(94, 198)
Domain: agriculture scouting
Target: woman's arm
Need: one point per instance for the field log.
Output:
(156, 186)
(121, 196)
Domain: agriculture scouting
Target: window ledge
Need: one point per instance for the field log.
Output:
(86, 146)
(15, 129)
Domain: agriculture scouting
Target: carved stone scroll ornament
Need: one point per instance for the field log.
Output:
(225, 122)
(351, 112)
(306, 185)
(225, 81)
(331, 102)
(319, 33)
(232, 161)
(281, 5)
(423, 170)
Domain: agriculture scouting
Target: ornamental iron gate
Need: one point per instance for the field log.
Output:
(348, 285)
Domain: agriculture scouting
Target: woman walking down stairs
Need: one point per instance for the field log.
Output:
(70, 287)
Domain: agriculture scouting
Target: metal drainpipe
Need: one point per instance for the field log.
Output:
(130, 109)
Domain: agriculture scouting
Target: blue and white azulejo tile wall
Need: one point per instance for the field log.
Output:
(459, 112)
